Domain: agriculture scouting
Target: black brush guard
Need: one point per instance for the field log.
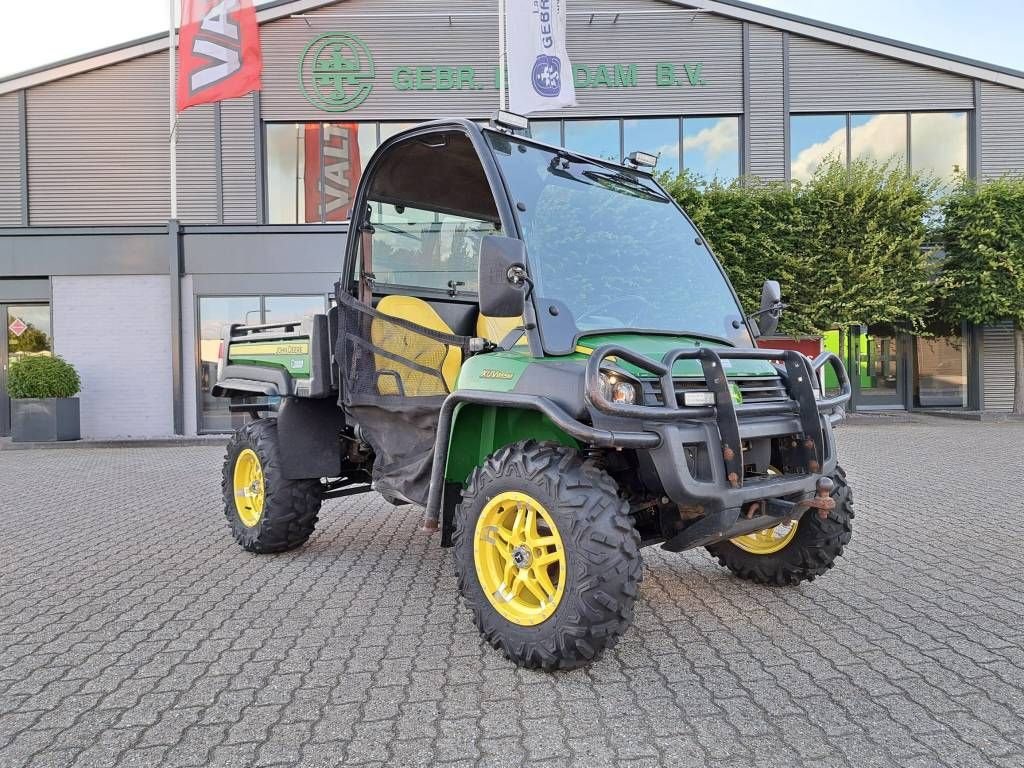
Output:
(722, 428)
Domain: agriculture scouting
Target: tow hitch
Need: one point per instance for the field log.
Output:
(727, 523)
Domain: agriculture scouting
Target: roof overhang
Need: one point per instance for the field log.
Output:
(735, 9)
(136, 48)
(863, 41)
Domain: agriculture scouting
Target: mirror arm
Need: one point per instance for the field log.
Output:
(774, 309)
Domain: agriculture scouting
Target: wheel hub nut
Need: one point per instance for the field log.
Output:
(521, 556)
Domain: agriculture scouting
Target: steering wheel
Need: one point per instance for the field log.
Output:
(604, 311)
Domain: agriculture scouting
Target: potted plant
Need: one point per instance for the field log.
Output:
(43, 403)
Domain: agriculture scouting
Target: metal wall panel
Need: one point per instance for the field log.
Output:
(197, 166)
(238, 142)
(766, 123)
(673, 35)
(997, 358)
(1002, 131)
(830, 78)
(10, 161)
(98, 148)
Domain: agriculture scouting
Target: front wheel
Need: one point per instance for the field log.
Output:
(265, 511)
(792, 552)
(547, 557)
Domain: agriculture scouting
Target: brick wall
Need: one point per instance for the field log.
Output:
(116, 331)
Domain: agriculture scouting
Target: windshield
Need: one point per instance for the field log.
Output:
(613, 247)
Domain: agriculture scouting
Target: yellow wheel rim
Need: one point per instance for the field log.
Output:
(520, 559)
(249, 490)
(768, 541)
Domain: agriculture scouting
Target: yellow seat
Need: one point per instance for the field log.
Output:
(497, 328)
(408, 345)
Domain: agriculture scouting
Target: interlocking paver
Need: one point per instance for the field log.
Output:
(133, 631)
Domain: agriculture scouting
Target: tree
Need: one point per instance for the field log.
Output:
(982, 279)
(848, 245)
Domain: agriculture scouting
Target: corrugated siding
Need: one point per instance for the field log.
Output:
(672, 35)
(1002, 130)
(197, 166)
(98, 146)
(10, 161)
(830, 78)
(238, 145)
(997, 366)
(767, 121)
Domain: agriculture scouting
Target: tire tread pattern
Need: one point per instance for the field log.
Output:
(811, 553)
(290, 507)
(602, 549)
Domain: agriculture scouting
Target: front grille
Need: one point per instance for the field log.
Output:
(755, 389)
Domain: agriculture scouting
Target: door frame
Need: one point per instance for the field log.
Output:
(5, 400)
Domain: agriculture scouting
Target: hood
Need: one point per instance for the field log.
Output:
(656, 345)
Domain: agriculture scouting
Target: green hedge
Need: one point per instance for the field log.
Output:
(982, 277)
(42, 376)
(848, 246)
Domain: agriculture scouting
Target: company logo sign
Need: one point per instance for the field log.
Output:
(336, 72)
(547, 76)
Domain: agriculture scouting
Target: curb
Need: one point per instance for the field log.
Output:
(6, 444)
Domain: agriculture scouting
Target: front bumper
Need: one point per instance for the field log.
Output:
(723, 428)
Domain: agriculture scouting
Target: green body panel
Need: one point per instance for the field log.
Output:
(478, 431)
(655, 346)
(495, 371)
(291, 355)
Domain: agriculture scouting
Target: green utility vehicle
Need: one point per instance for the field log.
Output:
(540, 350)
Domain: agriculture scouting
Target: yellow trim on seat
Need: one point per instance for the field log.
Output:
(404, 344)
(497, 328)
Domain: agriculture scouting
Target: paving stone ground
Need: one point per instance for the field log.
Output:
(134, 632)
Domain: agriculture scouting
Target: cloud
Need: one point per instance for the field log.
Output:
(939, 143)
(719, 139)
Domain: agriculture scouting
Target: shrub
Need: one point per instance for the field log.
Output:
(42, 376)
(848, 245)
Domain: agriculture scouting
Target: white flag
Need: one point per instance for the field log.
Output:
(539, 72)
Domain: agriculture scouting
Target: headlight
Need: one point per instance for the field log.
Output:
(617, 390)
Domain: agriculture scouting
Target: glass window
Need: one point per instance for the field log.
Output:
(586, 226)
(597, 138)
(287, 309)
(813, 139)
(387, 130)
(286, 168)
(313, 169)
(659, 136)
(879, 138)
(711, 147)
(426, 249)
(215, 315)
(941, 377)
(938, 143)
(548, 131)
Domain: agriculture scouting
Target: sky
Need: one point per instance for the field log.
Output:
(988, 30)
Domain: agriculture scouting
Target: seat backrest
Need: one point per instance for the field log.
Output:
(409, 345)
(497, 328)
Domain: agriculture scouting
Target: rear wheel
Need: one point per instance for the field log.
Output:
(547, 557)
(793, 552)
(266, 511)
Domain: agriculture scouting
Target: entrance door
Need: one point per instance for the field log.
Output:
(881, 370)
(26, 333)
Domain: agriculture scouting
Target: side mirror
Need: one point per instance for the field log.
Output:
(771, 307)
(501, 293)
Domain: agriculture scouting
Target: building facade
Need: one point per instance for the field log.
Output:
(92, 269)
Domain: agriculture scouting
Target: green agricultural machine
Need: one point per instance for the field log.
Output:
(539, 350)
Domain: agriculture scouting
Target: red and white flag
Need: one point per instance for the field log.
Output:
(218, 50)
(338, 167)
